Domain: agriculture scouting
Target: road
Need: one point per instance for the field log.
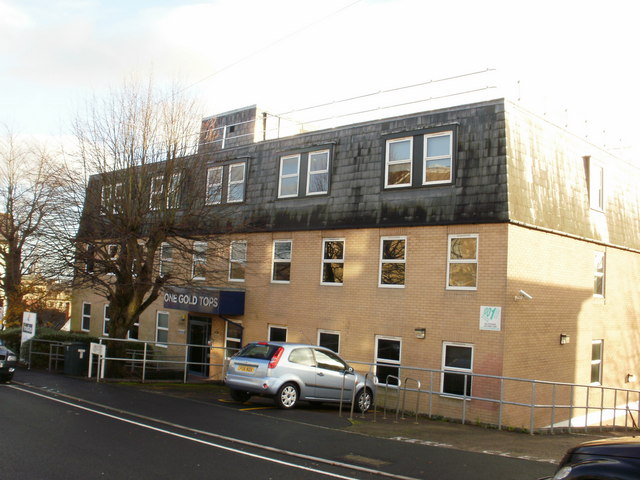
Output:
(56, 427)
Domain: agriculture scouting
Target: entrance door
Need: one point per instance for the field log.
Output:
(199, 336)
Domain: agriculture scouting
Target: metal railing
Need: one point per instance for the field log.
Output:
(502, 402)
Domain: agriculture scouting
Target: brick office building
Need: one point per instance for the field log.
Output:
(472, 239)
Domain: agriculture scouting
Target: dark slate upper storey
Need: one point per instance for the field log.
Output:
(357, 197)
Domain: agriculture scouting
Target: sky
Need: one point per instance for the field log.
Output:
(572, 61)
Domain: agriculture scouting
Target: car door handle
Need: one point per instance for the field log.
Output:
(320, 374)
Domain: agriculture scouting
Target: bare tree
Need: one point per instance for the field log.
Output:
(144, 202)
(31, 188)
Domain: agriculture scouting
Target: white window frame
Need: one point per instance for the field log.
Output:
(599, 258)
(199, 258)
(137, 326)
(156, 191)
(427, 158)
(456, 370)
(228, 339)
(242, 261)
(159, 343)
(281, 260)
(332, 260)
(173, 193)
(461, 261)
(217, 199)
(330, 332)
(388, 162)
(383, 261)
(166, 264)
(387, 361)
(232, 183)
(289, 175)
(286, 332)
(105, 320)
(85, 317)
(325, 171)
(596, 186)
(596, 361)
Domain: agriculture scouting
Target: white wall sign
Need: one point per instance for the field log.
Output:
(28, 330)
(490, 318)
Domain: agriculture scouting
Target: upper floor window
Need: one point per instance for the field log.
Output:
(437, 158)
(392, 261)
(214, 185)
(234, 188)
(436, 166)
(159, 197)
(596, 186)
(198, 271)
(237, 260)
(462, 265)
(112, 195)
(166, 259)
(332, 261)
(289, 174)
(281, 268)
(398, 163)
(598, 274)
(318, 173)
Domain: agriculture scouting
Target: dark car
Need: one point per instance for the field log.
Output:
(8, 362)
(607, 459)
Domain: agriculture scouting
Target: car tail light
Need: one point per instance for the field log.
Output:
(276, 358)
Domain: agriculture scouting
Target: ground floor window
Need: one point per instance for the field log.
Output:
(329, 339)
(388, 350)
(105, 323)
(233, 338)
(132, 334)
(277, 334)
(162, 329)
(457, 364)
(86, 317)
(596, 362)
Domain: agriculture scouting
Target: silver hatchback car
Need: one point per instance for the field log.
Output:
(290, 372)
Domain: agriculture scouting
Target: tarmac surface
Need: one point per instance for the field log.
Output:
(539, 447)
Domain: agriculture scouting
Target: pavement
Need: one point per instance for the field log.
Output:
(469, 437)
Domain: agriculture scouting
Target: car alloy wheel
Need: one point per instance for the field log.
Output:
(287, 396)
(363, 400)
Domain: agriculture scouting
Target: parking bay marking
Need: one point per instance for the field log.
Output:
(222, 447)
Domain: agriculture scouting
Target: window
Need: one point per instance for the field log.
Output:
(596, 186)
(388, 359)
(457, 363)
(112, 196)
(105, 323)
(329, 339)
(166, 259)
(318, 173)
(156, 193)
(462, 267)
(237, 261)
(437, 166)
(235, 192)
(332, 262)
(289, 173)
(596, 362)
(598, 274)
(233, 338)
(162, 329)
(199, 260)
(113, 251)
(398, 162)
(277, 334)
(214, 185)
(86, 317)
(281, 271)
(89, 262)
(392, 261)
(132, 334)
(173, 195)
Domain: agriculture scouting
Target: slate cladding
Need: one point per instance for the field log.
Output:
(357, 197)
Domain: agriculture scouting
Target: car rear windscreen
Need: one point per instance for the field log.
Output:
(257, 350)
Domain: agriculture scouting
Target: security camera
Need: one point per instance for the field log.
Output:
(526, 295)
